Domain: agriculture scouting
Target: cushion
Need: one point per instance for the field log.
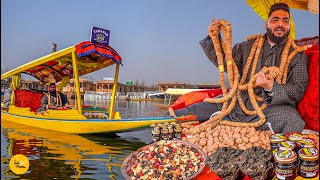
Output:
(195, 97)
(309, 104)
(31, 99)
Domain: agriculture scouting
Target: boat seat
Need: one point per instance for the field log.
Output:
(26, 98)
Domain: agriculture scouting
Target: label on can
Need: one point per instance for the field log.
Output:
(306, 142)
(287, 145)
(295, 137)
(286, 154)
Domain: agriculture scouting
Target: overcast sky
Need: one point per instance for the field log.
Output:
(158, 40)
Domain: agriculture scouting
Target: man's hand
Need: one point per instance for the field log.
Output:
(69, 106)
(50, 106)
(262, 80)
(213, 27)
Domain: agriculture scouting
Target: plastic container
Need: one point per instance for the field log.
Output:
(286, 164)
(306, 142)
(308, 162)
(295, 137)
(155, 131)
(275, 139)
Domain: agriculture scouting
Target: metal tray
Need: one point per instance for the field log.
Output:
(132, 156)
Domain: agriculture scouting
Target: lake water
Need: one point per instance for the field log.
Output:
(56, 155)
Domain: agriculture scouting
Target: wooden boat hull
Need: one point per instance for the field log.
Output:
(64, 121)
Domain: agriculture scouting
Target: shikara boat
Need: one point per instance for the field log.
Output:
(60, 67)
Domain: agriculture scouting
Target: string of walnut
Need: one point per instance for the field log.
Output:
(278, 73)
(58, 101)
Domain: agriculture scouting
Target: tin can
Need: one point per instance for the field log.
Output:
(306, 142)
(173, 123)
(275, 139)
(164, 132)
(295, 137)
(155, 131)
(152, 126)
(285, 164)
(308, 162)
(170, 131)
(177, 131)
(287, 145)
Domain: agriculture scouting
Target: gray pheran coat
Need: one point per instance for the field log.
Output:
(281, 111)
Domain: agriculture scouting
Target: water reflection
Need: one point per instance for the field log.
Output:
(57, 155)
(60, 155)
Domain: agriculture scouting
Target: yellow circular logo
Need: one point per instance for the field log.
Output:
(19, 164)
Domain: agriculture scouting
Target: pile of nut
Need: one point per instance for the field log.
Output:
(228, 136)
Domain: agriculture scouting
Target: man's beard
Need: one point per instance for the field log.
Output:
(275, 39)
(53, 93)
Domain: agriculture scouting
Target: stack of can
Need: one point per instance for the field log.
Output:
(165, 131)
(294, 155)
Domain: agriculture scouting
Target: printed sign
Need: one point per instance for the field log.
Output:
(99, 35)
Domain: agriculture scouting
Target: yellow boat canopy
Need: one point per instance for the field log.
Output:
(55, 66)
(261, 7)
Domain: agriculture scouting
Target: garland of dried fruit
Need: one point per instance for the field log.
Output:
(279, 74)
(58, 99)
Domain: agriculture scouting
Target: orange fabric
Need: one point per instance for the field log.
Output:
(195, 97)
(186, 118)
(208, 174)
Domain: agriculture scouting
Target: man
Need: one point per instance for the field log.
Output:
(281, 98)
(7, 97)
(53, 99)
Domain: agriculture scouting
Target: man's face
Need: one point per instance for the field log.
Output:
(52, 88)
(278, 26)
